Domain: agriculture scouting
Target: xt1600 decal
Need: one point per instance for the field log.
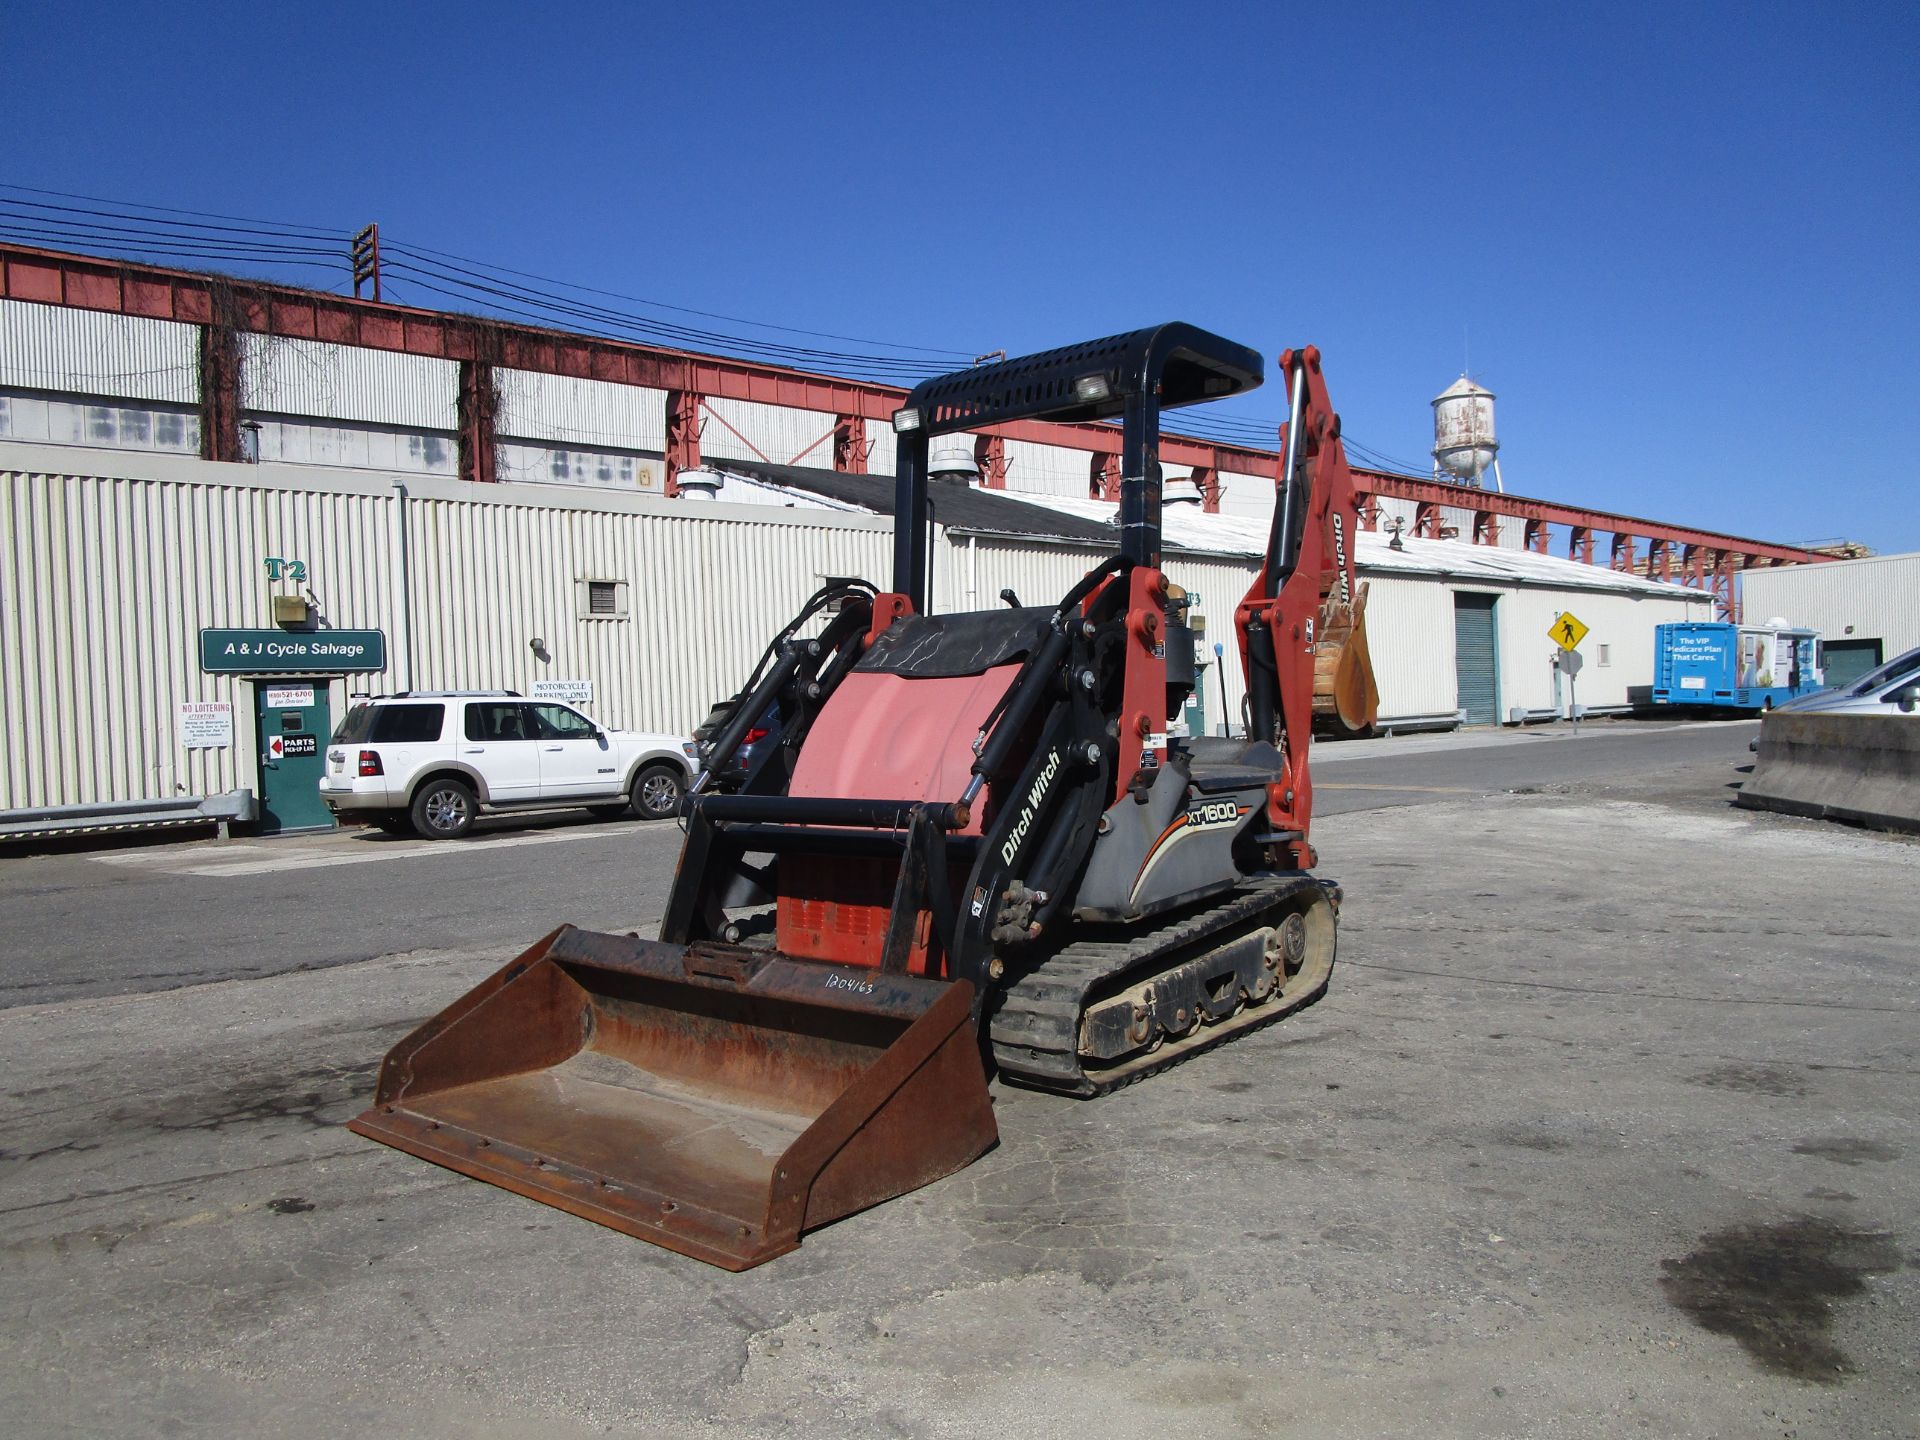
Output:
(1200, 816)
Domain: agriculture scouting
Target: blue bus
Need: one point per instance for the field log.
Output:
(1734, 667)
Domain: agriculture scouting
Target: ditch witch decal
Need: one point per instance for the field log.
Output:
(1035, 794)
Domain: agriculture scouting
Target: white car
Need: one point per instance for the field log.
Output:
(1893, 689)
(433, 761)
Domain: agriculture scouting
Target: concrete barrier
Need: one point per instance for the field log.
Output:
(1862, 768)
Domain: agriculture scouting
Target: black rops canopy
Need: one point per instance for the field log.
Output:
(1133, 376)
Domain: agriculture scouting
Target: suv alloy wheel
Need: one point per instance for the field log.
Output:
(444, 809)
(656, 793)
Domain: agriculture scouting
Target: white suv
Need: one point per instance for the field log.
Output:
(435, 760)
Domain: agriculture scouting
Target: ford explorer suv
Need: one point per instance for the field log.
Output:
(434, 761)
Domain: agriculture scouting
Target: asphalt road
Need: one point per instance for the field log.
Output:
(153, 916)
(1423, 769)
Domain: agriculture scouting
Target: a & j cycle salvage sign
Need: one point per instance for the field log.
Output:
(278, 652)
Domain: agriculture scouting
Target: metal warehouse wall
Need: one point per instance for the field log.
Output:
(1047, 469)
(970, 572)
(89, 352)
(1618, 651)
(749, 430)
(1873, 599)
(82, 377)
(109, 578)
(1246, 494)
(1513, 532)
(706, 587)
(1410, 632)
(880, 447)
(1409, 623)
(319, 380)
(113, 562)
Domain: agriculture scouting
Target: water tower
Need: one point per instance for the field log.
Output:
(1463, 440)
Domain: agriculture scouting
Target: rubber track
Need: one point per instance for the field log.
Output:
(1040, 1011)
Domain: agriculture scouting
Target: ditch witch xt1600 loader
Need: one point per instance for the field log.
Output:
(972, 836)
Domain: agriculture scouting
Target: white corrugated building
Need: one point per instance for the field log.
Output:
(115, 562)
(1867, 610)
(1454, 627)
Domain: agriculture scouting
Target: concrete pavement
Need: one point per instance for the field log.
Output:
(1606, 1126)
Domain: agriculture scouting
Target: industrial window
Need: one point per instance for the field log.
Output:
(1604, 655)
(601, 599)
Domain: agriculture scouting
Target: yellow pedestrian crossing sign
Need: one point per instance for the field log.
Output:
(1567, 631)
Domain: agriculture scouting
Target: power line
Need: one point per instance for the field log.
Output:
(121, 227)
(266, 228)
(423, 250)
(549, 310)
(1265, 434)
(168, 209)
(472, 282)
(118, 234)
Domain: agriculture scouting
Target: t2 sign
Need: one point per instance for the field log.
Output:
(294, 570)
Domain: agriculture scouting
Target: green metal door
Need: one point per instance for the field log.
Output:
(1848, 660)
(293, 726)
(1476, 658)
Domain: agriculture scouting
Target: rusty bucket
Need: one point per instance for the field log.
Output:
(1346, 698)
(715, 1100)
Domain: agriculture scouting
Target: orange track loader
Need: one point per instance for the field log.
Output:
(974, 844)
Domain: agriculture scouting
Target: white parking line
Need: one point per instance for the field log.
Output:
(264, 859)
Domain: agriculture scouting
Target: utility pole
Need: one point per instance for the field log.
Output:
(366, 260)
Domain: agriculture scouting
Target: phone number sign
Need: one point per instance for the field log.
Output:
(278, 652)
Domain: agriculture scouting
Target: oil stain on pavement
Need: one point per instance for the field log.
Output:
(1847, 1151)
(1772, 1288)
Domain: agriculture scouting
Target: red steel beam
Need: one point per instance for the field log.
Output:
(87, 282)
(122, 287)
(1576, 517)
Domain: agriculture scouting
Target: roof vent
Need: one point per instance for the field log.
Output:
(1181, 490)
(700, 484)
(951, 458)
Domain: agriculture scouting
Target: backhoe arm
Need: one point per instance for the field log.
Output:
(1306, 580)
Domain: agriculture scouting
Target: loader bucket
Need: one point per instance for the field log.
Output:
(714, 1100)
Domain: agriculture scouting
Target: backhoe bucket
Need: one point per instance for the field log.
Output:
(1345, 695)
(714, 1100)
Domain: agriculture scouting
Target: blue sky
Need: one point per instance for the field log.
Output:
(1677, 240)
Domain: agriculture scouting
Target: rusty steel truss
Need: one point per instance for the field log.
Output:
(226, 306)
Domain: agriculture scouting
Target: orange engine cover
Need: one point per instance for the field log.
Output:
(881, 736)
